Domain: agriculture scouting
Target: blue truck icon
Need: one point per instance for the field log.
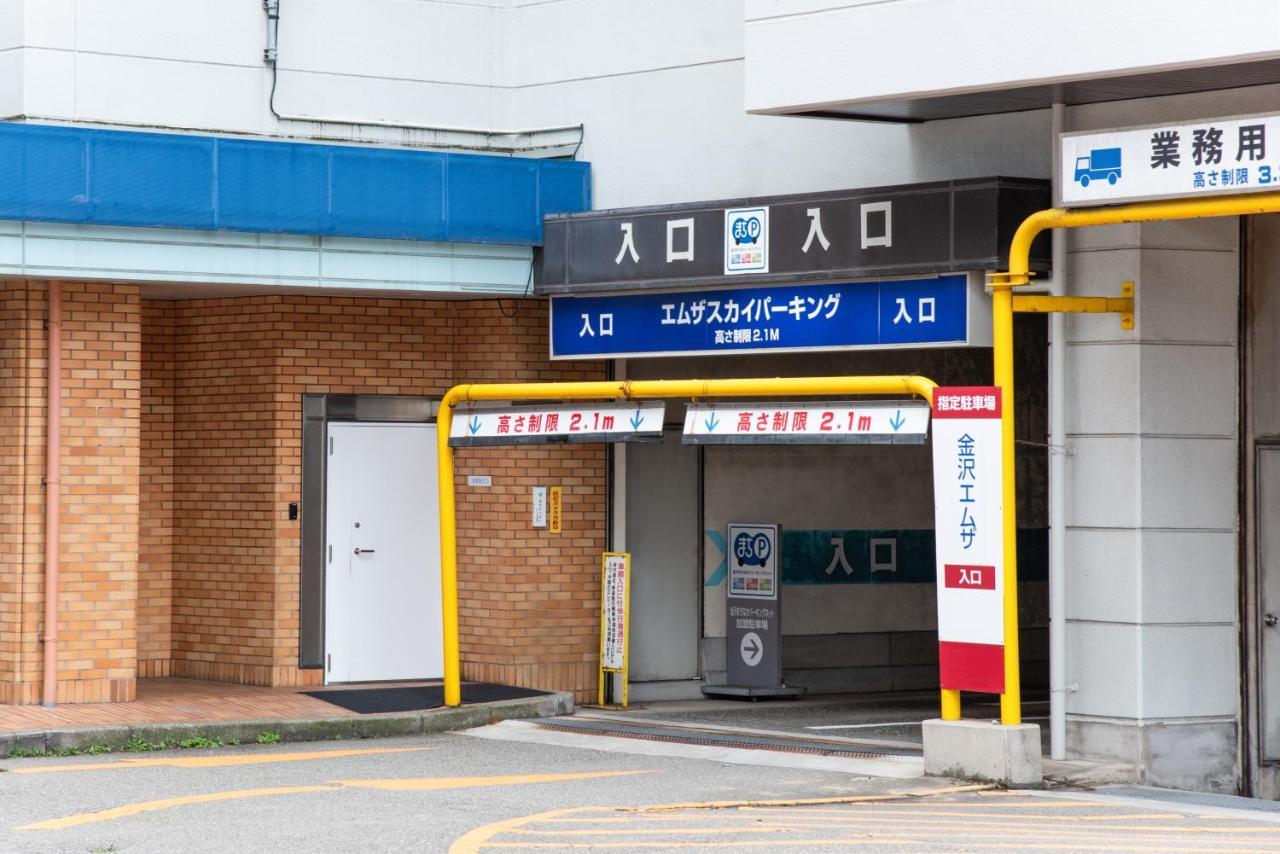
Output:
(1102, 163)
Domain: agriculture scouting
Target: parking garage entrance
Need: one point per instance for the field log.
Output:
(886, 281)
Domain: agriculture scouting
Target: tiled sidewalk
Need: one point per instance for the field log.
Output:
(176, 701)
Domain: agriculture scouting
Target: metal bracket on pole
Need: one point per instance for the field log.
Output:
(1044, 304)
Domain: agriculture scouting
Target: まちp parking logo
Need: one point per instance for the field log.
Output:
(746, 240)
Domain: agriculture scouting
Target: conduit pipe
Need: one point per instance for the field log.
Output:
(616, 390)
(1058, 470)
(52, 492)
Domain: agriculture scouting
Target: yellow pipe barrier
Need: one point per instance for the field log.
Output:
(1002, 285)
(623, 389)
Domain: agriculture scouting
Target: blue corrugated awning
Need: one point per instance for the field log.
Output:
(54, 173)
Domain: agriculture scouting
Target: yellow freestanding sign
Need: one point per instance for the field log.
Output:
(615, 622)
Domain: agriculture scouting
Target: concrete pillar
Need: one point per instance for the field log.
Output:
(1152, 505)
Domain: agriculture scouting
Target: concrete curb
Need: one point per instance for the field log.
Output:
(295, 729)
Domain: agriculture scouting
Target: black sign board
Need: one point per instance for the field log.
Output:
(943, 227)
(753, 631)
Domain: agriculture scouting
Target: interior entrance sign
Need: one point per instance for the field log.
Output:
(969, 537)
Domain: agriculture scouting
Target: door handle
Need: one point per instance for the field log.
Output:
(361, 551)
(1271, 619)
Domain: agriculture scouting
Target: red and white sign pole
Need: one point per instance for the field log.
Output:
(968, 478)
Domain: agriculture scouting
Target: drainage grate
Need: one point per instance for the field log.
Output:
(680, 735)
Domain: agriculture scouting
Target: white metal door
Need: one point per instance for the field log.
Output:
(1267, 526)
(382, 580)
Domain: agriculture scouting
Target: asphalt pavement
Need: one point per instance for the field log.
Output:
(461, 794)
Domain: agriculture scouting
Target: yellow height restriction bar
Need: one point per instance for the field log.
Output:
(1002, 308)
(626, 390)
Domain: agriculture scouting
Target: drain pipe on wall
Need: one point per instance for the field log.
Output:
(1058, 453)
(52, 493)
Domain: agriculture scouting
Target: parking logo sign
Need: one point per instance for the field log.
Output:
(746, 240)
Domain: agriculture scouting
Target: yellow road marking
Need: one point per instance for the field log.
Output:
(847, 799)
(428, 784)
(407, 785)
(980, 819)
(957, 829)
(934, 842)
(877, 825)
(471, 841)
(167, 803)
(926, 805)
(213, 761)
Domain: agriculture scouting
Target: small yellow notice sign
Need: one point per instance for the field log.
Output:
(555, 510)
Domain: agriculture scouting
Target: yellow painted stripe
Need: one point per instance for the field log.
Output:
(977, 819)
(934, 843)
(850, 799)
(427, 784)
(1205, 835)
(407, 785)
(956, 829)
(167, 803)
(212, 761)
(472, 841)
(918, 806)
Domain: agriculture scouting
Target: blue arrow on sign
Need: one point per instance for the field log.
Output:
(897, 421)
(712, 422)
(637, 420)
(475, 424)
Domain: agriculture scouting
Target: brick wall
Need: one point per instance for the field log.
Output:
(183, 449)
(17, 646)
(99, 542)
(155, 493)
(529, 599)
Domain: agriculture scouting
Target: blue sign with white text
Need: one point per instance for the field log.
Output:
(861, 315)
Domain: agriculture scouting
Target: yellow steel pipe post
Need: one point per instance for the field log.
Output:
(625, 389)
(448, 555)
(1019, 273)
(1002, 345)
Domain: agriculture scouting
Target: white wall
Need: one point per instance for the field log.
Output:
(658, 85)
(198, 63)
(806, 54)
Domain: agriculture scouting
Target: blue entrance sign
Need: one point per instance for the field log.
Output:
(864, 315)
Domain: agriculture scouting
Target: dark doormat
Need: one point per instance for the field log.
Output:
(371, 701)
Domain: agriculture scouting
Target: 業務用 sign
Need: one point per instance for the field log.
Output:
(753, 633)
(524, 425)
(936, 312)
(849, 422)
(613, 619)
(1240, 154)
(969, 537)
